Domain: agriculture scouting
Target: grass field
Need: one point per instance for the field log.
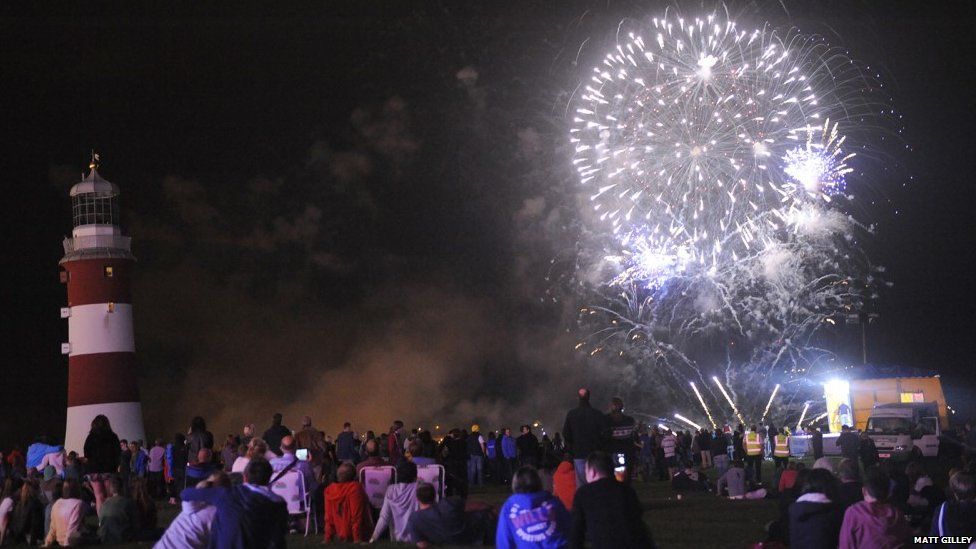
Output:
(695, 521)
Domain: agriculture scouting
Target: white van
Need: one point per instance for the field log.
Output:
(905, 430)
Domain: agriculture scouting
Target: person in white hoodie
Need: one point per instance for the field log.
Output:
(399, 503)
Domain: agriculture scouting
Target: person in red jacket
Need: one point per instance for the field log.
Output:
(564, 482)
(347, 513)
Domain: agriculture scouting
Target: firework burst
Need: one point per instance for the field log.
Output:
(714, 158)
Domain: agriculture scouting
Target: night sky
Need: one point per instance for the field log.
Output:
(351, 209)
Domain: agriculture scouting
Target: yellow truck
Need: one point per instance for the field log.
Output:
(904, 416)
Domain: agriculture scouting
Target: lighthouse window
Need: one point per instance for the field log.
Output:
(108, 271)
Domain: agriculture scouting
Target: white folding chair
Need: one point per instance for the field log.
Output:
(291, 488)
(375, 481)
(433, 474)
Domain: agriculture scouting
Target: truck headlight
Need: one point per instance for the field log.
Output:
(900, 448)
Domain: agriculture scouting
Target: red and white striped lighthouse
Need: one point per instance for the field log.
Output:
(97, 268)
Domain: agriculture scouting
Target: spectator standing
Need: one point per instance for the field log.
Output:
(816, 442)
(346, 445)
(394, 441)
(198, 439)
(274, 434)
(454, 449)
(623, 434)
(493, 457)
(311, 439)
(874, 522)
(509, 455)
(868, 451)
(720, 451)
(103, 455)
(476, 457)
(176, 460)
(157, 455)
(848, 443)
(781, 450)
(528, 447)
(584, 432)
(247, 434)
(607, 513)
(754, 453)
(249, 515)
(669, 444)
(531, 518)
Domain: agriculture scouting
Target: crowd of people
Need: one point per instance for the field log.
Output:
(574, 489)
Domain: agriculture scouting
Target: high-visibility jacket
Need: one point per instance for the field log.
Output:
(753, 444)
(782, 449)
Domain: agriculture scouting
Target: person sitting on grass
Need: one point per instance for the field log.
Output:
(118, 519)
(564, 481)
(734, 480)
(348, 516)
(192, 527)
(849, 489)
(68, 517)
(787, 479)
(874, 522)
(814, 516)
(689, 479)
(438, 522)
(532, 518)
(957, 515)
(249, 515)
(399, 503)
(607, 513)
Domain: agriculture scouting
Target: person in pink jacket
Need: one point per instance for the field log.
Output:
(873, 522)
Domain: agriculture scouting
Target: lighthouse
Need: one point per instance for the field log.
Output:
(97, 270)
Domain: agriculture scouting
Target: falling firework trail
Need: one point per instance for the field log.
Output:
(688, 421)
(806, 406)
(702, 401)
(729, 399)
(768, 404)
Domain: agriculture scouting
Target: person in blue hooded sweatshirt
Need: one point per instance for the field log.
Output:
(531, 517)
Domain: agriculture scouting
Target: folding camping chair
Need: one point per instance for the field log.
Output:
(433, 474)
(291, 488)
(375, 481)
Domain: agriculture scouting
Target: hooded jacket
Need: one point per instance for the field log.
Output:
(876, 525)
(954, 518)
(564, 483)
(247, 516)
(814, 522)
(533, 521)
(347, 513)
(398, 504)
